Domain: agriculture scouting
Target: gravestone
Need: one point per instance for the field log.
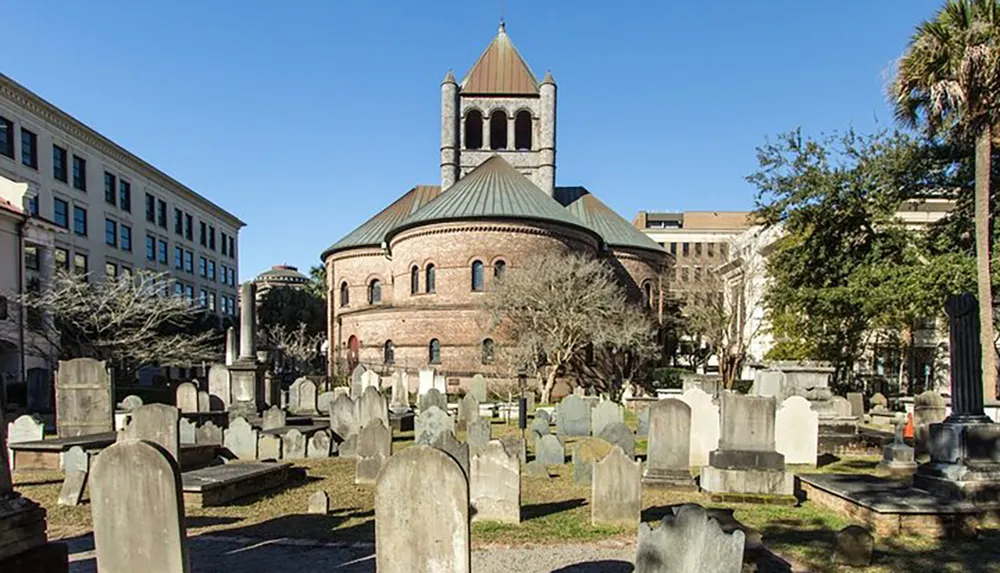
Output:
(516, 446)
(187, 397)
(84, 404)
(370, 380)
(24, 428)
(293, 395)
(349, 447)
(138, 510)
(841, 407)
(319, 503)
(232, 346)
(372, 406)
(187, 430)
(746, 462)
(269, 447)
(447, 443)
(293, 445)
(374, 449)
(356, 387)
(495, 485)
(898, 458)
(307, 398)
(156, 423)
(796, 431)
(204, 401)
(928, 408)
(585, 453)
(343, 417)
(468, 410)
(616, 490)
(76, 464)
(441, 543)
(705, 424)
(323, 402)
(241, 439)
(540, 424)
(853, 547)
(536, 468)
(573, 417)
(605, 413)
(219, 387)
(318, 445)
(688, 541)
(549, 450)
(643, 430)
(400, 402)
(433, 397)
(131, 402)
(668, 449)
(477, 434)
(879, 402)
(208, 433)
(857, 402)
(620, 435)
(441, 384)
(273, 418)
(477, 388)
(425, 381)
(430, 424)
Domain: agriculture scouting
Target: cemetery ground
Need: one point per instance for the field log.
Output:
(555, 514)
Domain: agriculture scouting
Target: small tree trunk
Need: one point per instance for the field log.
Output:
(983, 263)
(550, 382)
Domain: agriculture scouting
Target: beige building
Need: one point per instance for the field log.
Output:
(279, 276)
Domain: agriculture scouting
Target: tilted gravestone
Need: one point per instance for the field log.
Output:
(616, 490)
(604, 414)
(619, 434)
(585, 454)
(273, 418)
(668, 449)
(447, 443)
(157, 423)
(688, 541)
(138, 510)
(323, 402)
(293, 445)
(374, 448)
(187, 397)
(433, 397)
(76, 464)
(269, 447)
(343, 417)
(477, 388)
(372, 406)
(187, 431)
(495, 485)
(319, 445)
(478, 433)
(219, 387)
(796, 431)
(705, 423)
(430, 424)
(241, 439)
(204, 401)
(549, 450)
(131, 402)
(208, 433)
(84, 404)
(857, 402)
(319, 503)
(441, 542)
(573, 416)
(540, 424)
(468, 410)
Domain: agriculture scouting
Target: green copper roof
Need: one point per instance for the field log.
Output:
(616, 231)
(494, 190)
(373, 231)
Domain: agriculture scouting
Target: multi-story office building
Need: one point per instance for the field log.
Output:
(119, 212)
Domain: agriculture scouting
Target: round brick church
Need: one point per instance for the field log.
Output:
(405, 286)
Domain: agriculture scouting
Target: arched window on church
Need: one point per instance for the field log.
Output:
(374, 292)
(474, 130)
(345, 294)
(434, 351)
(488, 351)
(647, 294)
(429, 278)
(477, 275)
(498, 130)
(498, 268)
(414, 280)
(522, 130)
(388, 352)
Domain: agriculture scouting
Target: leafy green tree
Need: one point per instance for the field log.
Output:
(948, 82)
(289, 307)
(317, 281)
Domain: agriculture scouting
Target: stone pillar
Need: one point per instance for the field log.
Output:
(232, 348)
(966, 355)
(449, 131)
(248, 321)
(547, 135)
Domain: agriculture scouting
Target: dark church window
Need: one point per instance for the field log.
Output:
(414, 280)
(429, 279)
(434, 351)
(477, 275)
(488, 351)
(388, 352)
(345, 294)
(498, 130)
(474, 130)
(498, 268)
(647, 294)
(522, 130)
(374, 292)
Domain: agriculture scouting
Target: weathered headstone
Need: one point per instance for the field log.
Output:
(343, 417)
(478, 433)
(853, 546)
(441, 384)
(879, 402)
(446, 442)
(204, 401)
(138, 510)
(187, 430)
(477, 388)
(668, 449)
(208, 433)
(187, 397)
(616, 490)
(319, 503)
(441, 543)
(400, 402)
(273, 418)
(705, 423)
(131, 402)
(536, 468)
(515, 445)
(370, 380)
(468, 409)
(374, 448)
(157, 423)
(349, 447)
(433, 397)
(605, 413)
(495, 485)
(76, 464)
(841, 407)
(24, 428)
(356, 386)
(219, 386)
(540, 424)
(585, 453)
(318, 445)
(307, 398)
(241, 439)
(643, 430)
(620, 435)
(293, 445)
(573, 417)
(372, 406)
(928, 408)
(83, 398)
(269, 447)
(898, 458)
(323, 402)
(549, 450)
(857, 402)
(425, 381)
(430, 424)
(688, 541)
(293, 395)
(796, 431)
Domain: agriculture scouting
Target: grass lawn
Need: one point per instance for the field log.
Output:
(553, 510)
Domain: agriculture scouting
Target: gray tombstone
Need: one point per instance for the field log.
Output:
(76, 464)
(204, 401)
(307, 398)
(241, 439)
(586, 453)
(478, 433)
(208, 434)
(616, 490)
(516, 446)
(668, 449)
(219, 387)
(323, 402)
(898, 458)
(157, 423)
(879, 401)
(349, 447)
(688, 541)
(293, 445)
(273, 418)
(495, 485)
(343, 417)
(374, 448)
(605, 413)
(536, 468)
(549, 450)
(400, 402)
(928, 408)
(138, 510)
(356, 385)
(468, 410)
(853, 547)
(573, 416)
(131, 402)
(857, 402)
(446, 442)
(620, 435)
(643, 429)
(269, 447)
(187, 430)
(318, 445)
(841, 407)
(24, 428)
(540, 424)
(372, 406)
(293, 395)
(433, 397)
(84, 404)
(430, 424)
(187, 397)
(441, 543)
(319, 503)
(477, 388)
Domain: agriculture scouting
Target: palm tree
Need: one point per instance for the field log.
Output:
(948, 82)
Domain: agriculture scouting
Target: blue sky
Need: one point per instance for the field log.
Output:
(305, 118)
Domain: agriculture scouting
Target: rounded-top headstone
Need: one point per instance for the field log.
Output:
(319, 503)
(131, 402)
(853, 547)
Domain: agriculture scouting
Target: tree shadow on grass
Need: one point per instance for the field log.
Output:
(603, 566)
(537, 510)
(52, 481)
(310, 526)
(196, 521)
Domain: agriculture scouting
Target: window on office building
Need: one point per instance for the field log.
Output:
(203, 233)
(202, 267)
(61, 257)
(6, 137)
(161, 213)
(110, 270)
(59, 158)
(110, 233)
(178, 258)
(33, 205)
(188, 227)
(126, 237)
(224, 245)
(80, 263)
(80, 173)
(211, 237)
(125, 196)
(60, 213)
(29, 149)
(80, 221)
(161, 252)
(110, 191)
(31, 261)
(150, 208)
(178, 221)
(211, 270)
(150, 248)
(189, 262)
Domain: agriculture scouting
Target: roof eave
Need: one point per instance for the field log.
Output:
(504, 218)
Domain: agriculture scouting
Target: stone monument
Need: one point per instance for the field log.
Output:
(246, 375)
(668, 452)
(897, 457)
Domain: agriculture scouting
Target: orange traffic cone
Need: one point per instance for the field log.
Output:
(908, 428)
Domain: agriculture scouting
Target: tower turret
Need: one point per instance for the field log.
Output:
(547, 135)
(449, 131)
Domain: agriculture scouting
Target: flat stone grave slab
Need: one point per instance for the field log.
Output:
(218, 485)
(44, 455)
(891, 507)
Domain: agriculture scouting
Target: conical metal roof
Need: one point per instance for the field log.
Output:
(372, 232)
(613, 229)
(500, 70)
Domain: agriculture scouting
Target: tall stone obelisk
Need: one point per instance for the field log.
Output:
(246, 374)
